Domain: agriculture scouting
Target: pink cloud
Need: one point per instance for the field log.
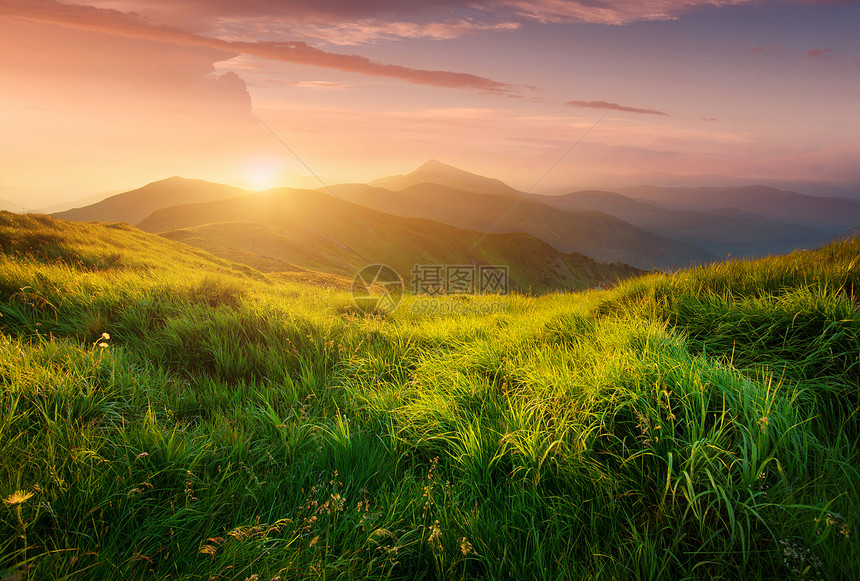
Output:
(614, 107)
(133, 26)
(772, 47)
(203, 13)
(303, 53)
(818, 53)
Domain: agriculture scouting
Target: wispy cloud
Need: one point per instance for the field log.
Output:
(133, 26)
(769, 49)
(616, 12)
(320, 85)
(775, 49)
(357, 32)
(303, 53)
(614, 107)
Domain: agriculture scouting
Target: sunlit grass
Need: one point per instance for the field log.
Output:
(174, 415)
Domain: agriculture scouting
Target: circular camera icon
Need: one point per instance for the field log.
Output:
(377, 289)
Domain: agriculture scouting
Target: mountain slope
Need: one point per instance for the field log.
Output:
(436, 172)
(132, 207)
(595, 234)
(115, 249)
(833, 216)
(741, 234)
(285, 230)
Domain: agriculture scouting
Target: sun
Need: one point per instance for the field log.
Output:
(262, 174)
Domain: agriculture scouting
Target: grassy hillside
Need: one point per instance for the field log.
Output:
(228, 426)
(132, 207)
(287, 230)
(595, 234)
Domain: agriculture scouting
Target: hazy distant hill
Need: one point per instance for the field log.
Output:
(73, 204)
(436, 172)
(613, 182)
(833, 216)
(11, 206)
(287, 229)
(595, 234)
(132, 207)
(741, 234)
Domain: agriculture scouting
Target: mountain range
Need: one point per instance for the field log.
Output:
(595, 234)
(738, 233)
(295, 230)
(831, 215)
(439, 214)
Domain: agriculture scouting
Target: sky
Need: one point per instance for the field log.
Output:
(106, 95)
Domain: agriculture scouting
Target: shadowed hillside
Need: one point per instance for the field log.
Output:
(595, 234)
(302, 229)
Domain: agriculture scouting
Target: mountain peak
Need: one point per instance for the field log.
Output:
(436, 165)
(434, 171)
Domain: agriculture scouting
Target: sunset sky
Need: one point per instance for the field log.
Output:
(107, 95)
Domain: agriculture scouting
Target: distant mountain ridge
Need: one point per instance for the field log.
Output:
(831, 215)
(739, 233)
(74, 204)
(132, 207)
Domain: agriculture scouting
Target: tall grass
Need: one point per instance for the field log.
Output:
(177, 416)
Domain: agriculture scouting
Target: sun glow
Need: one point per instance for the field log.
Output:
(262, 174)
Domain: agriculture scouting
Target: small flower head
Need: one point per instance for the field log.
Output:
(19, 497)
(465, 546)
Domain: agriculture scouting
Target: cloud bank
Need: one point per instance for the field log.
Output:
(133, 26)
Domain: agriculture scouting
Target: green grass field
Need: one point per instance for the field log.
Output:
(167, 414)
